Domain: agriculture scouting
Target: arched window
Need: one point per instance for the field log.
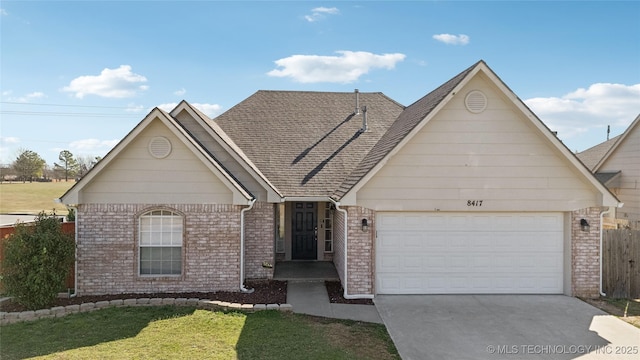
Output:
(160, 241)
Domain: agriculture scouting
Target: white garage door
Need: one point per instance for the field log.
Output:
(462, 253)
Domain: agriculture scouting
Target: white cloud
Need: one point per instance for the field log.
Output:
(8, 140)
(211, 110)
(133, 108)
(452, 39)
(24, 99)
(92, 146)
(579, 111)
(3, 12)
(320, 13)
(345, 68)
(180, 92)
(111, 83)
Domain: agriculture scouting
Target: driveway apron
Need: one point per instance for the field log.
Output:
(504, 327)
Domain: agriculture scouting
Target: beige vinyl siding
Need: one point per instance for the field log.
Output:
(626, 157)
(496, 156)
(222, 156)
(136, 177)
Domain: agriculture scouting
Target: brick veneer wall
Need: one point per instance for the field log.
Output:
(108, 251)
(361, 261)
(259, 241)
(585, 254)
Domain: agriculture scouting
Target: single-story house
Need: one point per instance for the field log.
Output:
(616, 163)
(463, 191)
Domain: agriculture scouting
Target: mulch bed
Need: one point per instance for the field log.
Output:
(266, 292)
(335, 291)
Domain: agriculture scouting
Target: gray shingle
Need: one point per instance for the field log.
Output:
(592, 156)
(306, 143)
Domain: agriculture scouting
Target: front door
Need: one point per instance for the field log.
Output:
(304, 231)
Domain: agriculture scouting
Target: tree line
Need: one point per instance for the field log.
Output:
(30, 166)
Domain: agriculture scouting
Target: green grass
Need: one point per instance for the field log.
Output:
(32, 198)
(170, 332)
(626, 306)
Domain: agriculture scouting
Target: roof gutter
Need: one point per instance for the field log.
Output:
(346, 276)
(242, 212)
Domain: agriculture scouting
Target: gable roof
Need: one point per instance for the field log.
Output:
(240, 194)
(218, 135)
(619, 141)
(592, 156)
(306, 143)
(414, 117)
(406, 122)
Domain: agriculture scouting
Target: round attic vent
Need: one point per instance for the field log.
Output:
(476, 101)
(159, 147)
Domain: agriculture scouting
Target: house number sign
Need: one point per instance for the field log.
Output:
(474, 202)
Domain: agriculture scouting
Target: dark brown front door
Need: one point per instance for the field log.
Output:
(305, 231)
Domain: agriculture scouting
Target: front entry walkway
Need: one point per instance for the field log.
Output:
(311, 298)
(305, 270)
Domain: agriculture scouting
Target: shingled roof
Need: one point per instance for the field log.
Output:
(592, 156)
(307, 143)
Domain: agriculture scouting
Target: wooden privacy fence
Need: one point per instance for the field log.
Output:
(67, 227)
(621, 263)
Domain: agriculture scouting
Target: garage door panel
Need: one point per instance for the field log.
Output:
(469, 253)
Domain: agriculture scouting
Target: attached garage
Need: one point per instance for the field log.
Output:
(469, 253)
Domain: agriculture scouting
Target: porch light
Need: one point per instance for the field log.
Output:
(584, 225)
(365, 225)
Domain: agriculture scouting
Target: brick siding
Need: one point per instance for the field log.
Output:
(108, 251)
(259, 224)
(585, 254)
(360, 264)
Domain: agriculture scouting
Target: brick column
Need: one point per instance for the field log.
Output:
(585, 253)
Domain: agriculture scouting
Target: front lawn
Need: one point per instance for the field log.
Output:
(170, 332)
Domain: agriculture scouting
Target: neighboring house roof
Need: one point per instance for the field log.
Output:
(619, 141)
(307, 143)
(607, 178)
(592, 156)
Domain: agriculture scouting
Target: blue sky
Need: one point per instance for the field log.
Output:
(79, 75)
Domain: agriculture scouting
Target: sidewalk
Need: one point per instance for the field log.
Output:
(311, 298)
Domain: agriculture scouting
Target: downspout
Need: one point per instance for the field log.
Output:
(346, 227)
(75, 257)
(242, 288)
(601, 236)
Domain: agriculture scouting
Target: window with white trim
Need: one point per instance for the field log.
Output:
(160, 241)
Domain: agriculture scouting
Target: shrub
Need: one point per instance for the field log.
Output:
(37, 260)
(71, 215)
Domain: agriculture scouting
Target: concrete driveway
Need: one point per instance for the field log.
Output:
(504, 327)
